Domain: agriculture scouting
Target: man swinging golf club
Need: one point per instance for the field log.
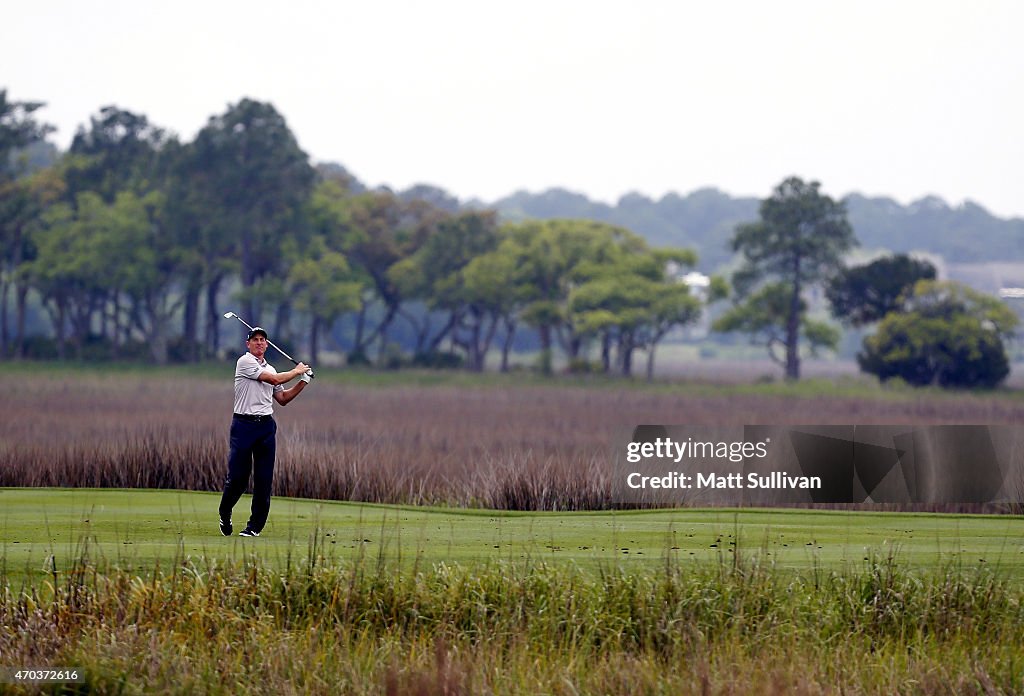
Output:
(253, 430)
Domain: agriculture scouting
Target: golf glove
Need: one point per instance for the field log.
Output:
(306, 376)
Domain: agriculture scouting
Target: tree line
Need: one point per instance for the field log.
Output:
(132, 238)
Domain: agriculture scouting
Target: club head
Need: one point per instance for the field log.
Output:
(229, 315)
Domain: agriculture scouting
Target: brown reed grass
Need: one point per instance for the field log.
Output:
(523, 447)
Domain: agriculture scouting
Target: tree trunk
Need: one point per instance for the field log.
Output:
(190, 322)
(4, 337)
(474, 346)
(115, 343)
(421, 329)
(655, 337)
(446, 330)
(213, 317)
(81, 322)
(626, 353)
(382, 343)
(575, 343)
(281, 323)
(20, 297)
(103, 317)
(422, 332)
(250, 307)
(249, 312)
(793, 330)
(158, 344)
(383, 329)
(606, 351)
(314, 331)
(59, 325)
(506, 346)
(545, 348)
(248, 278)
(156, 307)
(360, 326)
(488, 339)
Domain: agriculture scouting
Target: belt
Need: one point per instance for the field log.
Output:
(252, 417)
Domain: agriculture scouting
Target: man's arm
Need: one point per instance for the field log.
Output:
(283, 377)
(285, 395)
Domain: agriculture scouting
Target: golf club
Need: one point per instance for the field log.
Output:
(232, 315)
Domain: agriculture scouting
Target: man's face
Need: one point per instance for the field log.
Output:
(257, 345)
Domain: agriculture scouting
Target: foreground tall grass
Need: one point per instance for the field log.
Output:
(532, 447)
(361, 628)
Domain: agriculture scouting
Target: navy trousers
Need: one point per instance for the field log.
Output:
(253, 446)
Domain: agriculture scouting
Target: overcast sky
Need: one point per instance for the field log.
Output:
(902, 99)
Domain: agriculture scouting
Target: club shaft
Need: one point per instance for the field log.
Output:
(269, 342)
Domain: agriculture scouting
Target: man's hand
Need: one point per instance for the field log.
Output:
(301, 368)
(306, 376)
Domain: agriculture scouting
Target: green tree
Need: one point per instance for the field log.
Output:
(374, 231)
(206, 251)
(493, 281)
(119, 151)
(865, 294)
(323, 287)
(552, 257)
(92, 250)
(73, 270)
(672, 305)
(258, 181)
(383, 231)
(19, 207)
(208, 236)
(122, 152)
(764, 316)
(435, 275)
(947, 334)
(18, 130)
(151, 257)
(632, 299)
(799, 240)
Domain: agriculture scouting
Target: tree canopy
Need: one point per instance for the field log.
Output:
(799, 240)
(132, 231)
(865, 294)
(946, 335)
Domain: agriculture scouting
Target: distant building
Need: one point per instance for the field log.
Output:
(697, 281)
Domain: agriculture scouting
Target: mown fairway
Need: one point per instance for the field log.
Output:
(137, 591)
(138, 529)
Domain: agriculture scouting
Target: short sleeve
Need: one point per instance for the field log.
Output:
(278, 387)
(248, 367)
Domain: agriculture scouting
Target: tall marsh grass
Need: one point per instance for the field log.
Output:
(530, 447)
(358, 627)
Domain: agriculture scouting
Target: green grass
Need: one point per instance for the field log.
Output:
(136, 530)
(853, 387)
(138, 590)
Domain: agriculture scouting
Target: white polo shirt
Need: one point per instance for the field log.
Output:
(253, 397)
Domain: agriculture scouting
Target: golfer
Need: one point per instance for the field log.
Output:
(253, 431)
